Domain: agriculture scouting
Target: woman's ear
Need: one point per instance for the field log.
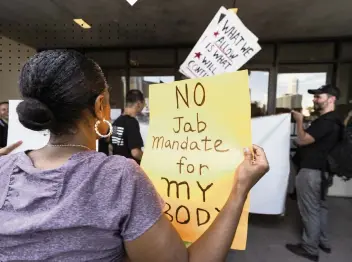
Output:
(99, 107)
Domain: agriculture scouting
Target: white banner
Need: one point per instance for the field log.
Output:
(115, 113)
(32, 140)
(273, 134)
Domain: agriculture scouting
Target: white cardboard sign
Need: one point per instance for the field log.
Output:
(132, 2)
(225, 46)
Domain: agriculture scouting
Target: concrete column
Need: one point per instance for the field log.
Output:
(344, 82)
(272, 90)
(329, 76)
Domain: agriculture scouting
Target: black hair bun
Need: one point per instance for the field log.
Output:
(35, 115)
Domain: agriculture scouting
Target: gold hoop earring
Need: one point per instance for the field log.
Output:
(97, 130)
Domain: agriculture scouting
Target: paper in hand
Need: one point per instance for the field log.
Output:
(224, 47)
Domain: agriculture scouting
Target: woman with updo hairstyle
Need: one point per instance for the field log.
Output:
(67, 202)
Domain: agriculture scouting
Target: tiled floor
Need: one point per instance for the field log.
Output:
(267, 235)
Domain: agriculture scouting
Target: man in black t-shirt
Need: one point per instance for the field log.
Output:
(315, 143)
(103, 145)
(126, 137)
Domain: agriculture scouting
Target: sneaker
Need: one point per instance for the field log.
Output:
(299, 251)
(325, 249)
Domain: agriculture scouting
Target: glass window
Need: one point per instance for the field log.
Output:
(258, 84)
(292, 91)
(141, 79)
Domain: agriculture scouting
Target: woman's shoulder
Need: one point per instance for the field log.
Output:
(122, 170)
(100, 165)
(8, 161)
(114, 162)
(8, 165)
(94, 163)
(118, 175)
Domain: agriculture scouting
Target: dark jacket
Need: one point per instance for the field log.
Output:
(3, 133)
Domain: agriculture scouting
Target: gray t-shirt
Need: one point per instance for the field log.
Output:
(81, 211)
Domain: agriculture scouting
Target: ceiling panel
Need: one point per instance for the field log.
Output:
(297, 19)
(48, 23)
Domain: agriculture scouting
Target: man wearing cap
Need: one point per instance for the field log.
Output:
(311, 159)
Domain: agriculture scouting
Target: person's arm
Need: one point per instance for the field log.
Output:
(218, 238)
(137, 153)
(348, 118)
(317, 131)
(303, 138)
(162, 243)
(135, 141)
(7, 150)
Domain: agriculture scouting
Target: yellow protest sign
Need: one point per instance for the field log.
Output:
(198, 129)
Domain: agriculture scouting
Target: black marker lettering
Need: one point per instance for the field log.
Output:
(195, 94)
(204, 190)
(198, 217)
(178, 93)
(179, 124)
(201, 168)
(186, 221)
(178, 185)
(199, 124)
(217, 144)
(158, 140)
(171, 218)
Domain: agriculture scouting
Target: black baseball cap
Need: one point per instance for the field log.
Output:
(326, 89)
